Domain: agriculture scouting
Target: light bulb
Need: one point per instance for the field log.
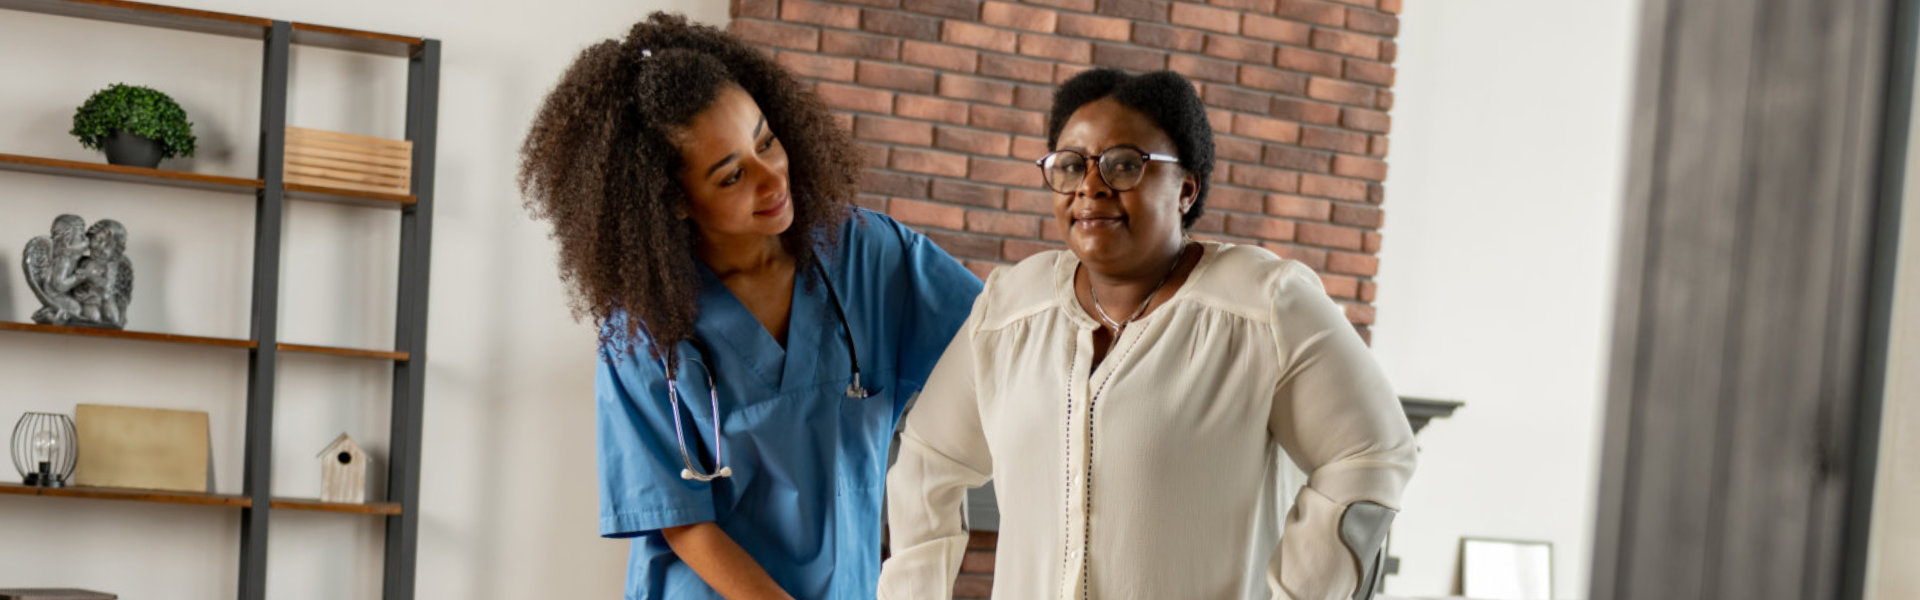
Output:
(43, 446)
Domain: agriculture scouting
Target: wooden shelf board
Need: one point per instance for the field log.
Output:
(149, 15)
(316, 193)
(132, 495)
(347, 352)
(308, 34)
(141, 175)
(126, 335)
(371, 508)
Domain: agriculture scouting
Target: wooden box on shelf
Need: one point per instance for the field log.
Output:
(349, 162)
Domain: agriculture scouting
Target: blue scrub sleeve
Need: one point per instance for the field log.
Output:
(940, 296)
(640, 486)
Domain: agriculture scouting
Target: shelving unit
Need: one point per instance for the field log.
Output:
(256, 503)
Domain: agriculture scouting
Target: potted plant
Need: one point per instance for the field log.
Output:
(135, 125)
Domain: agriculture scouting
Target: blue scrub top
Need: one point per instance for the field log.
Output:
(809, 464)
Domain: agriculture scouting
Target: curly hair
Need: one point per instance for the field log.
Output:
(600, 164)
(1164, 97)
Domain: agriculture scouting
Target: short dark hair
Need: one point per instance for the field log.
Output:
(1164, 97)
(600, 164)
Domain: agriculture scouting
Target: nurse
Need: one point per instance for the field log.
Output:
(758, 337)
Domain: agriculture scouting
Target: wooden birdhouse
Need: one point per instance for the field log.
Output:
(343, 472)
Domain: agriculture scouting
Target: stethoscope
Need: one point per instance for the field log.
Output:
(691, 472)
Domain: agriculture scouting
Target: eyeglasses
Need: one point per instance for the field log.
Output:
(1121, 167)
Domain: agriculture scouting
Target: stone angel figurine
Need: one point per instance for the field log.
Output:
(81, 274)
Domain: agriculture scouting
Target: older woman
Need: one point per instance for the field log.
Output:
(1127, 397)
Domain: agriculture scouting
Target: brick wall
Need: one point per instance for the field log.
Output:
(949, 100)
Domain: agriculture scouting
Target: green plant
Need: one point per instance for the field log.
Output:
(138, 110)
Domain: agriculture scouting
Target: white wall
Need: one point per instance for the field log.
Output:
(1896, 526)
(1497, 269)
(508, 498)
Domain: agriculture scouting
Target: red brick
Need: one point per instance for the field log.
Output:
(1389, 51)
(1329, 187)
(873, 156)
(1220, 119)
(1151, 11)
(1273, 80)
(1305, 111)
(1007, 14)
(1369, 217)
(1019, 250)
(1265, 228)
(1383, 100)
(1000, 223)
(1093, 27)
(1079, 5)
(820, 13)
(1129, 57)
(894, 131)
(1334, 90)
(976, 89)
(1362, 168)
(1168, 38)
(847, 97)
(817, 67)
(1376, 193)
(896, 77)
(1366, 4)
(1063, 72)
(1272, 180)
(755, 9)
(842, 120)
(1275, 30)
(1370, 242)
(982, 270)
(1200, 67)
(902, 25)
(871, 202)
(1029, 148)
(1289, 157)
(1012, 67)
(1233, 198)
(1377, 146)
(1366, 71)
(1010, 120)
(1353, 264)
(1313, 11)
(967, 245)
(1205, 17)
(1318, 63)
(1366, 120)
(1326, 236)
(779, 35)
(1057, 48)
(1340, 286)
(1271, 130)
(972, 141)
(1028, 200)
(1368, 289)
(1227, 147)
(1033, 97)
(1390, 6)
(1313, 258)
(860, 45)
(971, 194)
(953, 59)
(927, 214)
(1350, 44)
(1246, 5)
(1240, 49)
(897, 185)
(1003, 171)
(874, 3)
(979, 36)
(931, 109)
(968, 10)
(1296, 207)
(1236, 98)
(931, 162)
(1373, 22)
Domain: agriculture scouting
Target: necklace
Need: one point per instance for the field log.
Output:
(1117, 326)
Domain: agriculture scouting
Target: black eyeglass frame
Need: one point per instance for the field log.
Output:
(1146, 157)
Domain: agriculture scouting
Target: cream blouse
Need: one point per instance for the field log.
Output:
(1153, 476)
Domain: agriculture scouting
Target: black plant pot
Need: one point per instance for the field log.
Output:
(133, 150)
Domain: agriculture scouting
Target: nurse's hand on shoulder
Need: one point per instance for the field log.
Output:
(722, 563)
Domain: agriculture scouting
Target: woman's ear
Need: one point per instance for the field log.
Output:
(1189, 190)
